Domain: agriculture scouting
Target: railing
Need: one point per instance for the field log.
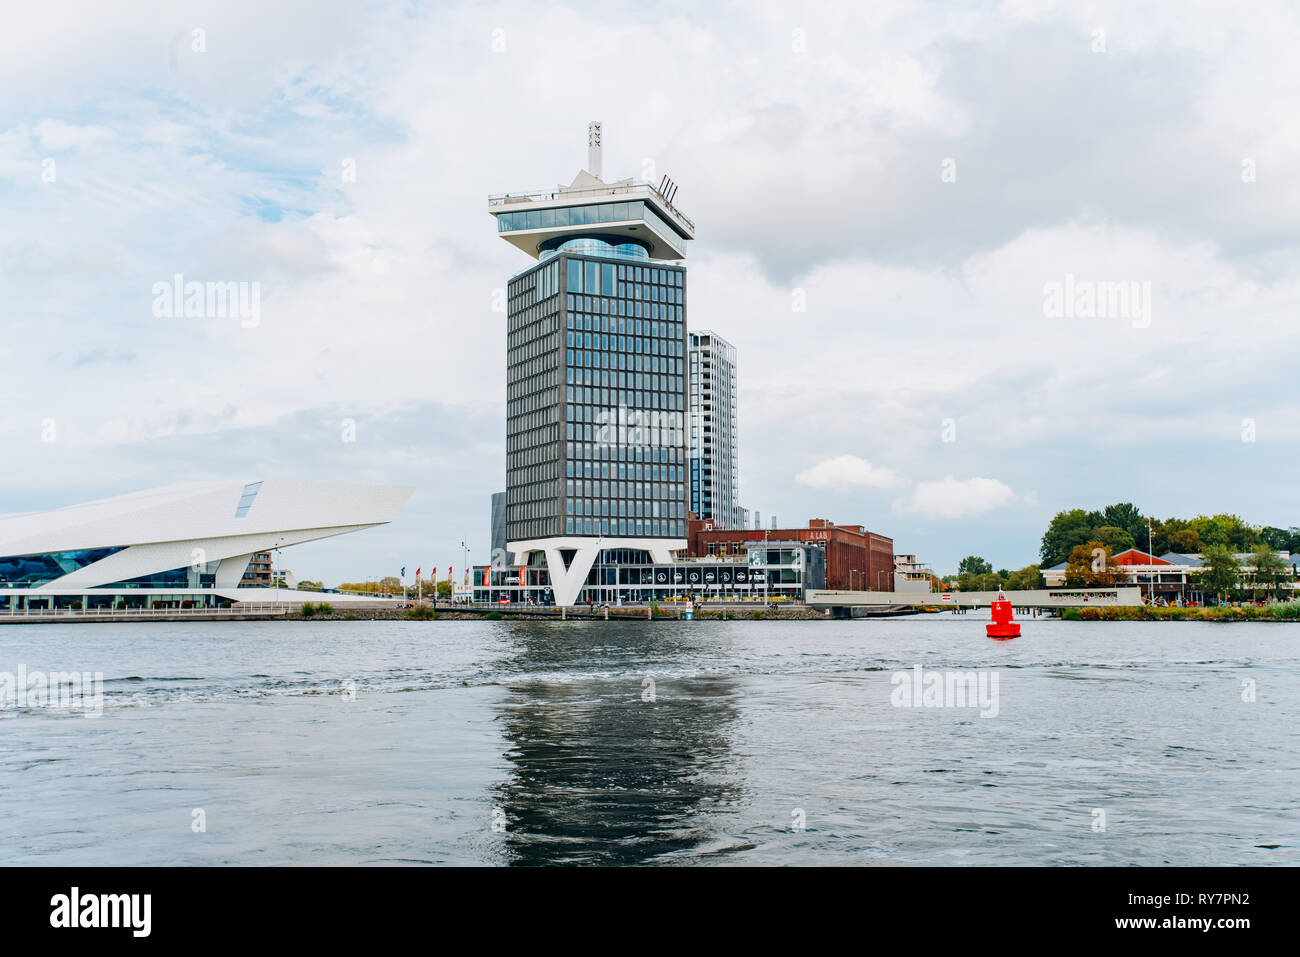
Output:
(636, 187)
(243, 608)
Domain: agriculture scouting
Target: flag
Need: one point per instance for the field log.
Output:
(417, 574)
(403, 571)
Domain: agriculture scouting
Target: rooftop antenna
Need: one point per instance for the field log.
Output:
(593, 148)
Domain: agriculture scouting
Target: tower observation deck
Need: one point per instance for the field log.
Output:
(626, 213)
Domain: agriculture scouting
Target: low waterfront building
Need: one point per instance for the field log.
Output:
(855, 559)
(181, 546)
(1170, 577)
(764, 571)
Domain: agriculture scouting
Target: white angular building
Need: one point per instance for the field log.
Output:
(178, 546)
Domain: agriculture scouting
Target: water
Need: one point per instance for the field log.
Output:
(543, 729)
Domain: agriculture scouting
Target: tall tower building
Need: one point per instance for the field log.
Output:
(596, 391)
(714, 466)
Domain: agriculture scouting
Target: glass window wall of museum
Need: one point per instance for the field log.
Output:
(532, 403)
(625, 399)
(27, 571)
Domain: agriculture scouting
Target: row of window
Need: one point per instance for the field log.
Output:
(591, 214)
(637, 344)
(591, 452)
(625, 508)
(625, 527)
(624, 307)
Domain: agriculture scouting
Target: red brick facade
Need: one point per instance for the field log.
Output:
(856, 559)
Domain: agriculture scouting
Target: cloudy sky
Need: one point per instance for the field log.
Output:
(887, 196)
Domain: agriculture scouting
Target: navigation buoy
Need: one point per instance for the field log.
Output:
(1002, 627)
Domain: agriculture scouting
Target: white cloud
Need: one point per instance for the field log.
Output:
(956, 498)
(844, 473)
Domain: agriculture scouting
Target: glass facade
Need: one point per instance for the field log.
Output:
(592, 214)
(596, 397)
(187, 576)
(628, 576)
(30, 571)
(714, 454)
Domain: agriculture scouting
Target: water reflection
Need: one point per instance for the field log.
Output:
(605, 770)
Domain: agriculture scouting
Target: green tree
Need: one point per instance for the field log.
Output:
(1125, 515)
(444, 589)
(1066, 530)
(974, 565)
(1219, 570)
(1185, 542)
(1270, 570)
(1026, 579)
(1281, 539)
(1228, 530)
(1115, 538)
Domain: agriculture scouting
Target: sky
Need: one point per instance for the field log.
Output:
(981, 262)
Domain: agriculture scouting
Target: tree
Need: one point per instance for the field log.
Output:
(1269, 568)
(1125, 515)
(444, 589)
(1026, 579)
(1185, 542)
(1089, 565)
(974, 565)
(1219, 570)
(1066, 530)
(1115, 538)
(1227, 530)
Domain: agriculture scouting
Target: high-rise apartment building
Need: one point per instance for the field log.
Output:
(596, 353)
(714, 468)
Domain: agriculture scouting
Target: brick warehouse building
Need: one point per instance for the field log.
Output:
(856, 559)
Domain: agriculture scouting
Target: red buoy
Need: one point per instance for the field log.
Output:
(1002, 626)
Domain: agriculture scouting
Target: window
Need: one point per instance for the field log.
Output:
(246, 499)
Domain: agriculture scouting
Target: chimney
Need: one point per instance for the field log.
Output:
(593, 148)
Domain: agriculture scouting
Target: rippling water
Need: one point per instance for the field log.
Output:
(763, 743)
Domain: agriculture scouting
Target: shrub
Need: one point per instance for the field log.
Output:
(325, 608)
(494, 616)
(308, 609)
(1070, 614)
(349, 617)
(1089, 614)
(421, 613)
